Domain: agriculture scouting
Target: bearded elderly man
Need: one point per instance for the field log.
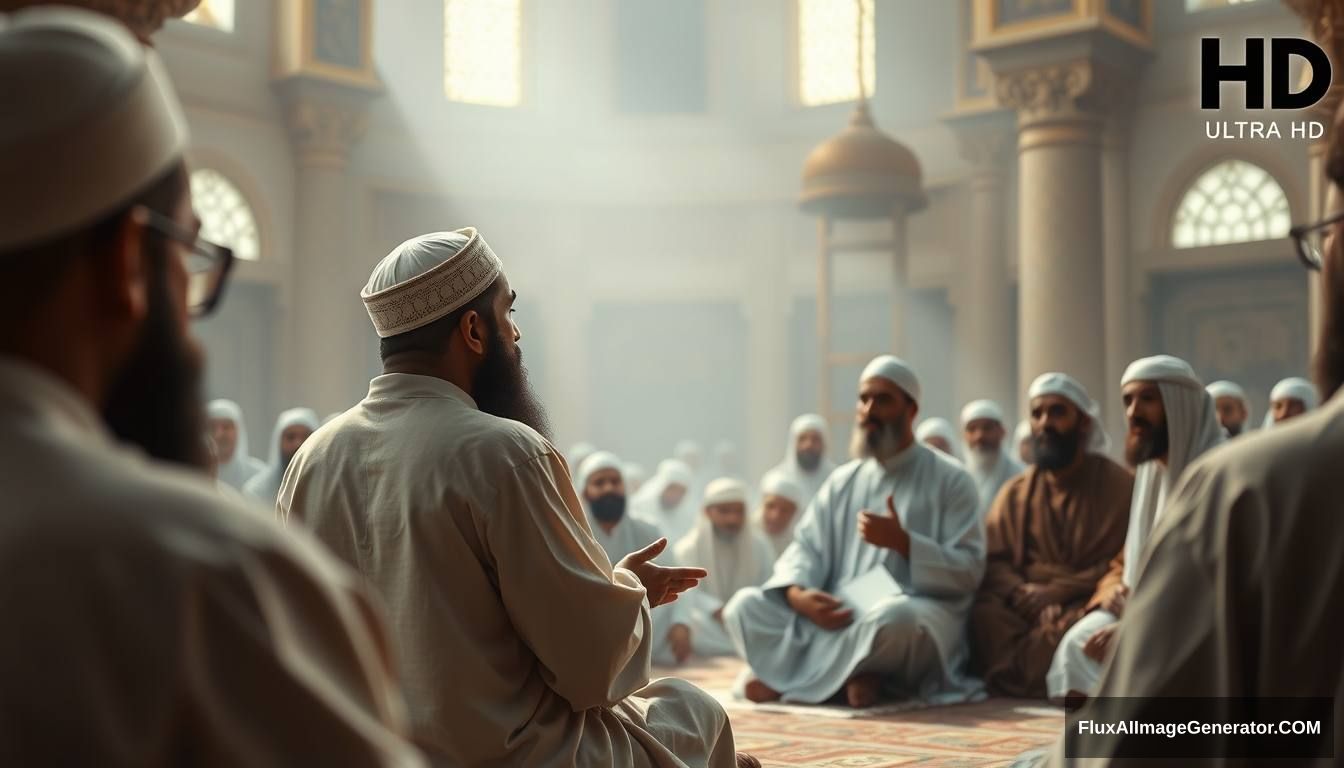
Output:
(900, 516)
(1052, 531)
(1171, 422)
(520, 644)
(805, 463)
(985, 433)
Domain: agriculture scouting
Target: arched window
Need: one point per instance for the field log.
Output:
(213, 13)
(1232, 202)
(482, 51)
(828, 51)
(225, 215)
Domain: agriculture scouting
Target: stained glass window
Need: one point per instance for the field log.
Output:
(482, 51)
(828, 51)
(1232, 202)
(225, 215)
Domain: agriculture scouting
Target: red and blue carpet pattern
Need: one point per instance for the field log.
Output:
(989, 733)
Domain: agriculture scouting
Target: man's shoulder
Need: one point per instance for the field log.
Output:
(1110, 469)
(1298, 451)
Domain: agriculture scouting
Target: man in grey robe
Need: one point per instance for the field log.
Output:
(601, 484)
(899, 514)
(985, 433)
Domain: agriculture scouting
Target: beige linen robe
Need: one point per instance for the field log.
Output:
(1242, 590)
(148, 621)
(520, 645)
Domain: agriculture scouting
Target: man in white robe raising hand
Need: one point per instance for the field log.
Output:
(874, 592)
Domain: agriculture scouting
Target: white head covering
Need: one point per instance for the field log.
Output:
(895, 370)
(724, 490)
(789, 468)
(775, 483)
(241, 466)
(1192, 429)
(982, 409)
(936, 426)
(1224, 388)
(646, 504)
(266, 485)
(732, 563)
(1292, 388)
(426, 278)
(596, 462)
(1066, 386)
(578, 452)
(89, 120)
(688, 452)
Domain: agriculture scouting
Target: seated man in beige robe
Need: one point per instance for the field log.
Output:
(521, 644)
(148, 621)
(1052, 533)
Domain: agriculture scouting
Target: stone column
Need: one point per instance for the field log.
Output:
(331, 339)
(1060, 277)
(1120, 346)
(984, 321)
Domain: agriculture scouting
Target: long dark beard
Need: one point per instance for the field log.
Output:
(155, 401)
(501, 387)
(1153, 446)
(1328, 362)
(1055, 450)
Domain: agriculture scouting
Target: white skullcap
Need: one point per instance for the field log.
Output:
(634, 473)
(1162, 368)
(779, 484)
(596, 462)
(426, 278)
(1067, 387)
(686, 449)
(580, 451)
(1295, 388)
(895, 370)
(725, 490)
(808, 422)
(1224, 388)
(981, 409)
(936, 427)
(225, 410)
(89, 120)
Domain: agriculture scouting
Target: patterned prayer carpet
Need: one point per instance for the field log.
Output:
(991, 732)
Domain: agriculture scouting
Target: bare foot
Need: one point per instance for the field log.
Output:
(760, 693)
(747, 761)
(861, 691)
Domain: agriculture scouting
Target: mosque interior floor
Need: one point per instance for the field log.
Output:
(994, 732)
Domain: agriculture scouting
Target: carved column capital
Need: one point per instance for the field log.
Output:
(325, 121)
(1046, 91)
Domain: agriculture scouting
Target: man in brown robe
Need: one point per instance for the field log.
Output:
(1051, 533)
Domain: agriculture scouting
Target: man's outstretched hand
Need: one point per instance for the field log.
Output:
(662, 584)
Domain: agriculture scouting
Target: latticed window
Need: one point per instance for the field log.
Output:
(828, 51)
(213, 13)
(225, 215)
(1232, 202)
(482, 51)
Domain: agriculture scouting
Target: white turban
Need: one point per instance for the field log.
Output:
(634, 474)
(426, 278)
(1067, 387)
(936, 427)
(596, 462)
(895, 370)
(1192, 429)
(779, 484)
(89, 120)
(982, 409)
(1293, 388)
(725, 490)
(673, 472)
(1192, 422)
(808, 422)
(1224, 388)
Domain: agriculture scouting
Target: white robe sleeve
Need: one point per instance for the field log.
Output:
(951, 565)
(588, 625)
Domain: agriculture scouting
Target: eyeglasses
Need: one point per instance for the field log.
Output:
(207, 263)
(1309, 240)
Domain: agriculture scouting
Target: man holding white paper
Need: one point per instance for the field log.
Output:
(805, 642)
